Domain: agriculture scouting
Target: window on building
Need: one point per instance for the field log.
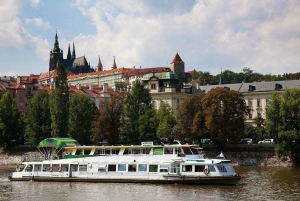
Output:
(250, 115)
(154, 104)
(153, 86)
(258, 113)
(267, 101)
(258, 102)
(250, 102)
(177, 106)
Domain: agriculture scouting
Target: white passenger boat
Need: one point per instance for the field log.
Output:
(145, 163)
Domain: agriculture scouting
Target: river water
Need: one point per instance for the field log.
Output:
(260, 183)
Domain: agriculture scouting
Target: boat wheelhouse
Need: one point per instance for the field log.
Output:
(145, 163)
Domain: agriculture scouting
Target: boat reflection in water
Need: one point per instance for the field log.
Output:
(145, 163)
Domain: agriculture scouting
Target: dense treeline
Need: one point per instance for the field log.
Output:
(246, 75)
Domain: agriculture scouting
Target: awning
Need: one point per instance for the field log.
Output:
(58, 142)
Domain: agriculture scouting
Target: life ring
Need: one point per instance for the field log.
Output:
(206, 171)
(50, 169)
(59, 169)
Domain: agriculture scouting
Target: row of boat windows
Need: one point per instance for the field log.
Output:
(130, 151)
(128, 168)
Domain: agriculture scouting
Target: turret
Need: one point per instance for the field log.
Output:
(114, 65)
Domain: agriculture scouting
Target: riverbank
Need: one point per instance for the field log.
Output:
(238, 158)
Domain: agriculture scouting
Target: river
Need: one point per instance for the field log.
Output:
(260, 183)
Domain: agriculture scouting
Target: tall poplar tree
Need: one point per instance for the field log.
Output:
(38, 121)
(59, 104)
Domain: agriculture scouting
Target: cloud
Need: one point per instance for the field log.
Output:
(38, 22)
(264, 36)
(34, 2)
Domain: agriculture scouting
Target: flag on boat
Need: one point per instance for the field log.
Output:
(221, 155)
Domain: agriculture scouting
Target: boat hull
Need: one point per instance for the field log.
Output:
(224, 180)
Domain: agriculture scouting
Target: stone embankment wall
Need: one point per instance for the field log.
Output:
(16, 158)
(250, 158)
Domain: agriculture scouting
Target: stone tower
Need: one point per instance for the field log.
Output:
(99, 66)
(177, 66)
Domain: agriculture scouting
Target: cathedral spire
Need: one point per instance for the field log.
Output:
(99, 66)
(73, 52)
(69, 53)
(56, 48)
(114, 65)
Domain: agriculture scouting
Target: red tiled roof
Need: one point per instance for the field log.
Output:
(177, 59)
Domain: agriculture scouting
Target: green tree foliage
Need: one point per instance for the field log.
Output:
(273, 118)
(107, 123)
(136, 103)
(81, 116)
(148, 126)
(166, 122)
(191, 118)
(38, 121)
(10, 120)
(59, 104)
(225, 112)
(283, 117)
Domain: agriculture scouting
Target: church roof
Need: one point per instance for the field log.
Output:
(80, 61)
(177, 59)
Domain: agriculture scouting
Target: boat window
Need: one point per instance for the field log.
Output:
(136, 151)
(101, 168)
(221, 168)
(126, 151)
(28, 168)
(164, 168)
(46, 168)
(37, 168)
(78, 152)
(194, 151)
(87, 151)
(187, 150)
(122, 167)
(142, 168)
(64, 168)
(168, 150)
(187, 168)
(74, 168)
(212, 168)
(112, 168)
(132, 168)
(146, 150)
(153, 168)
(54, 168)
(115, 151)
(107, 151)
(82, 168)
(177, 150)
(229, 168)
(199, 168)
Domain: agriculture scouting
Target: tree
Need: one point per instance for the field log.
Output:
(191, 119)
(136, 103)
(166, 122)
(108, 122)
(10, 120)
(38, 121)
(148, 126)
(81, 116)
(288, 125)
(273, 119)
(59, 104)
(225, 112)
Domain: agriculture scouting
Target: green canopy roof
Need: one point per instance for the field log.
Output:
(58, 142)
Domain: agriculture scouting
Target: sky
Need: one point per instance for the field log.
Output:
(209, 35)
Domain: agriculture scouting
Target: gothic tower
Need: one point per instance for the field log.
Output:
(99, 66)
(114, 65)
(177, 66)
(55, 54)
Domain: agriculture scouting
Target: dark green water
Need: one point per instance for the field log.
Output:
(260, 183)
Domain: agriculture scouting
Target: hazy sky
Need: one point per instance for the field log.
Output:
(208, 34)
